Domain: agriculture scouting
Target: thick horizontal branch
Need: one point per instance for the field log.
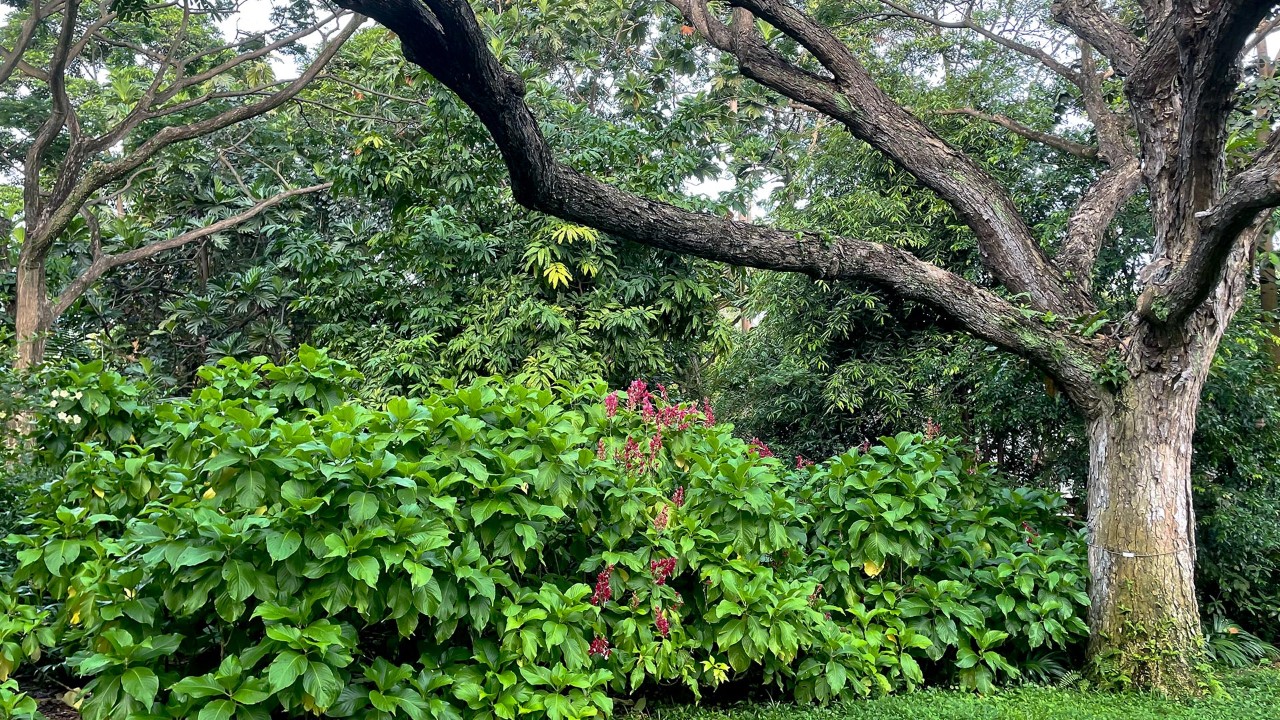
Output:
(101, 264)
(445, 38)
(1071, 147)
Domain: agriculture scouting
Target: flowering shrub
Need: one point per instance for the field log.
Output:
(271, 547)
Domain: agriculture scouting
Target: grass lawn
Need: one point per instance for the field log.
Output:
(1253, 695)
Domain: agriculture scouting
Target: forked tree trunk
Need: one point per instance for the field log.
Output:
(31, 312)
(1144, 619)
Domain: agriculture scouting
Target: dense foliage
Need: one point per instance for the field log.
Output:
(269, 544)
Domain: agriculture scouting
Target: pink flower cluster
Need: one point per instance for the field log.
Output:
(802, 462)
(603, 591)
(664, 518)
(931, 429)
(760, 448)
(633, 458)
(669, 415)
(600, 647)
(678, 498)
(662, 569)
(660, 621)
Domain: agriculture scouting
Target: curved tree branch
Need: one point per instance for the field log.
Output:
(1099, 28)
(444, 37)
(1009, 250)
(101, 264)
(1070, 147)
(1091, 217)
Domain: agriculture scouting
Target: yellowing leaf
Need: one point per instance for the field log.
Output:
(75, 618)
(99, 492)
(557, 274)
(209, 494)
(871, 568)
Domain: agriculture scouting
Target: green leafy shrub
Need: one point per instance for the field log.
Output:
(268, 546)
(917, 532)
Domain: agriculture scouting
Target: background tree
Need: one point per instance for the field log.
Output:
(170, 77)
(420, 266)
(1163, 129)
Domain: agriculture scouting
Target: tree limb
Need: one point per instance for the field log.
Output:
(49, 130)
(1009, 251)
(104, 263)
(1071, 147)
(444, 37)
(1091, 217)
(1100, 29)
(1192, 65)
(104, 174)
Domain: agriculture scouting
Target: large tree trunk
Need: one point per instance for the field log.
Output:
(32, 314)
(1144, 619)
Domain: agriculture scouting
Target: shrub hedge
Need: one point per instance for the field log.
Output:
(270, 546)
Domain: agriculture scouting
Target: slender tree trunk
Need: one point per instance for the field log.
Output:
(1267, 291)
(32, 313)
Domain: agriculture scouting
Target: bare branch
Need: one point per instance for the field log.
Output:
(242, 58)
(1093, 214)
(967, 23)
(13, 58)
(1071, 147)
(103, 263)
(50, 129)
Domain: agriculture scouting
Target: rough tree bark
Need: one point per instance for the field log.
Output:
(57, 190)
(1138, 385)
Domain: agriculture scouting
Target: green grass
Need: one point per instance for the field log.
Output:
(1251, 695)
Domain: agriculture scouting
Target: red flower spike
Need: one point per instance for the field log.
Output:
(603, 591)
(600, 647)
(637, 393)
(662, 569)
(611, 405)
(678, 498)
(760, 448)
(660, 621)
(664, 517)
